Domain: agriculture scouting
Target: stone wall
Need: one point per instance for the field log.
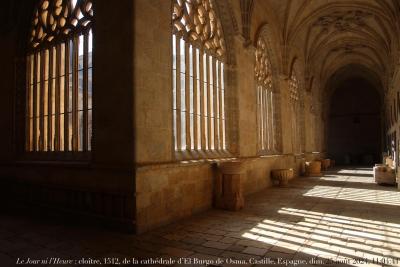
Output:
(168, 192)
(102, 187)
(153, 81)
(133, 175)
(167, 189)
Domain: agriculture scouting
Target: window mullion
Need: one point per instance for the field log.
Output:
(258, 118)
(215, 103)
(267, 117)
(272, 121)
(34, 129)
(85, 91)
(208, 103)
(220, 99)
(265, 114)
(298, 137)
(261, 89)
(202, 101)
(268, 106)
(66, 96)
(75, 133)
(27, 105)
(57, 100)
(187, 96)
(223, 105)
(178, 94)
(265, 128)
(50, 102)
(259, 121)
(300, 123)
(45, 99)
(295, 126)
(195, 95)
(31, 107)
(218, 107)
(41, 116)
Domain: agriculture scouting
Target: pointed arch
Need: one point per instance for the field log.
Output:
(268, 98)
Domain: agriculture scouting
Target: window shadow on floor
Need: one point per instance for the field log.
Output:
(312, 221)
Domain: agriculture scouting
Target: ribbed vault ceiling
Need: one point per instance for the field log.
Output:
(333, 34)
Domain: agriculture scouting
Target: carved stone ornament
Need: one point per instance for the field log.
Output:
(197, 21)
(294, 87)
(58, 18)
(263, 65)
(342, 20)
(348, 48)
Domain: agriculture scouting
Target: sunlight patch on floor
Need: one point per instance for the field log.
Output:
(330, 236)
(355, 194)
(357, 171)
(336, 178)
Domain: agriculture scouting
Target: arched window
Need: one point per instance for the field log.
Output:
(265, 99)
(198, 51)
(59, 77)
(296, 112)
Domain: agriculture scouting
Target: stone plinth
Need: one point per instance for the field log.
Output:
(384, 175)
(281, 177)
(333, 163)
(229, 192)
(313, 168)
(325, 164)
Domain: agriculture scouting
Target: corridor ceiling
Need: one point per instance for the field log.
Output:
(327, 35)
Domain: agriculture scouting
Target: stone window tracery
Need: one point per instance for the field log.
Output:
(198, 74)
(197, 22)
(296, 112)
(59, 77)
(265, 99)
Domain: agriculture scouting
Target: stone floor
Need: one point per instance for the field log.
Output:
(340, 219)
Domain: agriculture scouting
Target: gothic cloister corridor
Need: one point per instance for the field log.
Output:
(340, 215)
(232, 132)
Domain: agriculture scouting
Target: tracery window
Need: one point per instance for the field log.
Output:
(198, 75)
(265, 99)
(296, 112)
(59, 77)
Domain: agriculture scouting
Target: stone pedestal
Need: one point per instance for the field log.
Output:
(281, 177)
(325, 164)
(229, 192)
(384, 174)
(313, 168)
